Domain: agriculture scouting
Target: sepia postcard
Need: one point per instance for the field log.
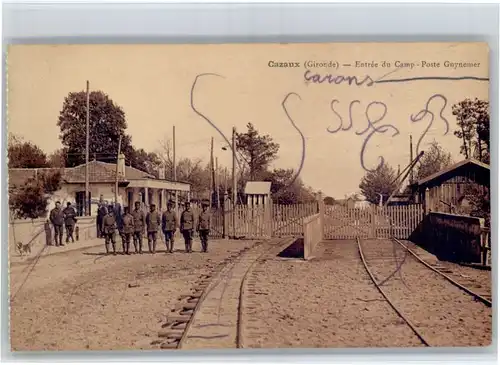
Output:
(218, 196)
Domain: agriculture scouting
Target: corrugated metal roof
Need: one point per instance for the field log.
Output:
(453, 167)
(258, 188)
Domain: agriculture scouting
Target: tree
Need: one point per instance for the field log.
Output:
(257, 151)
(193, 172)
(328, 200)
(31, 199)
(473, 120)
(165, 154)
(380, 181)
(23, 154)
(107, 124)
(58, 158)
(480, 203)
(434, 159)
(286, 188)
(148, 162)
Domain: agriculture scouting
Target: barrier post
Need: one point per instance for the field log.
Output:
(225, 219)
(48, 233)
(321, 209)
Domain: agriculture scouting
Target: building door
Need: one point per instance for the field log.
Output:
(80, 202)
(130, 198)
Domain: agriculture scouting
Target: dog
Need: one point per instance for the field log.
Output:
(23, 249)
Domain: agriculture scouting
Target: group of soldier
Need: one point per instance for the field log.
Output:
(63, 217)
(133, 225)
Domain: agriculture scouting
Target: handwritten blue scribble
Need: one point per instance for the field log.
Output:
(426, 111)
(381, 129)
(367, 80)
(337, 79)
(200, 114)
(371, 124)
(303, 155)
(371, 129)
(427, 78)
(334, 101)
(193, 87)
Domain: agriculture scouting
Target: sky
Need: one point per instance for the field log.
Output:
(242, 83)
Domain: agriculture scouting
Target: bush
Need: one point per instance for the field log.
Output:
(30, 200)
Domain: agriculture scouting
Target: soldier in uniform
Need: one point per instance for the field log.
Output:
(203, 227)
(127, 230)
(187, 227)
(69, 221)
(101, 213)
(139, 225)
(153, 222)
(109, 227)
(57, 219)
(169, 226)
(119, 222)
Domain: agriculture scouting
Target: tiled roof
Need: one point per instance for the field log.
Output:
(98, 172)
(103, 172)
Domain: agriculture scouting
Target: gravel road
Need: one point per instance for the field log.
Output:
(327, 302)
(83, 300)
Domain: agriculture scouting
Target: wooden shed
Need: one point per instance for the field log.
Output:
(258, 192)
(445, 190)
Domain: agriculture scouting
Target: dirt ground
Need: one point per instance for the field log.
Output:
(81, 300)
(328, 302)
(478, 280)
(444, 314)
(331, 302)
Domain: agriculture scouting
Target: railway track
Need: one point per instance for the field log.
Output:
(384, 264)
(483, 298)
(211, 315)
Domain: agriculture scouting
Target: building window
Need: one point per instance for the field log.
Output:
(80, 202)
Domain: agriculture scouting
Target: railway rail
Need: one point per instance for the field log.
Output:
(475, 295)
(382, 261)
(216, 303)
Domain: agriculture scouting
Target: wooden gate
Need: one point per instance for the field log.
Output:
(371, 222)
(347, 223)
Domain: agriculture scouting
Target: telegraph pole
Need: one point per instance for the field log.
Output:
(411, 159)
(117, 169)
(235, 193)
(87, 143)
(212, 180)
(175, 171)
(217, 182)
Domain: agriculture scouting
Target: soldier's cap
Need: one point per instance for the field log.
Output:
(204, 204)
(58, 202)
